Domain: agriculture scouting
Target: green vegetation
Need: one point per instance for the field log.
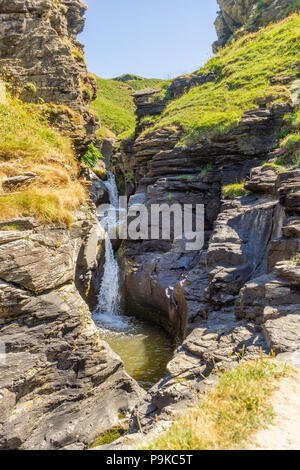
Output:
(110, 436)
(289, 142)
(25, 132)
(92, 156)
(244, 70)
(139, 83)
(232, 191)
(30, 87)
(230, 413)
(206, 170)
(102, 174)
(295, 259)
(274, 166)
(28, 143)
(293, 7)
(115, 108)
(114, 105)
(10, 228)
(186, 177)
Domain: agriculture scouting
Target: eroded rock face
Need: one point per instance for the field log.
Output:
(60, 385)
(231, 299)
(248, 15)
(160, 276)
(40, 54)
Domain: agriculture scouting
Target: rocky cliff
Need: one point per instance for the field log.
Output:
(40, 54)
(239, 295)
(240, 16)
(61, 386)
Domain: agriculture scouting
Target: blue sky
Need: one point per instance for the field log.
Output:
(151, 38)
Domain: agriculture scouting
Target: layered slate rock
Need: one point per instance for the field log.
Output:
(158, 274)
(39, 53)
(248, 15)
(60, 385)
(231, 299)
(214, 344)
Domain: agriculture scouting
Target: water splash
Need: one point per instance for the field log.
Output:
(112, 189)
(107, 313)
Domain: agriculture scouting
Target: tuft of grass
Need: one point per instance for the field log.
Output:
(186, 177)
(227, 416)
(277, 167)
(30, 87)
(205, 170)
(233, 191)
(244, 72)
(46, 204)
(10, 228)
(110, 436)
(295, 259)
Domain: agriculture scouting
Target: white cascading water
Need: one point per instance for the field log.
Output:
(112, 189)
(107, 312)
(139, 345)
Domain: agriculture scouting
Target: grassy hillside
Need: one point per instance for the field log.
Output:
(114, 105)
(139, 83)
(244, 70)
(29, 144)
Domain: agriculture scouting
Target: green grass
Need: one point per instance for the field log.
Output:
(25, 132)
(139, 83)
(114, 105)
(232, 191)
(244, 70)
(229, 414)
(110, 436)
(29, 143)
(10, 228)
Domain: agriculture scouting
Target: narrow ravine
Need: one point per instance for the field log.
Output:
(144, 348)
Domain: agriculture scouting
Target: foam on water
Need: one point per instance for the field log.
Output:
(144, 349)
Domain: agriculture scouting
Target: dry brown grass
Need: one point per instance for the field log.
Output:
(28, 143)
(230, 413)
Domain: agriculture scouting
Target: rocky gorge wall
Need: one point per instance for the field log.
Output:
(61, 386)
(239, 296)
(240, 16)
(40, 54)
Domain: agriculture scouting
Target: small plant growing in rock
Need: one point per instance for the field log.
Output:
(233, 191)
(92, 156)
(295, 259)
(30, 87)
(129, 177)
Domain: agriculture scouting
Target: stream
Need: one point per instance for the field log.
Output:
(144, 348)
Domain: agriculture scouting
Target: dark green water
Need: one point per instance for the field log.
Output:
(145, 349)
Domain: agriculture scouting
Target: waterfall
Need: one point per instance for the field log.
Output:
(107, 312)
(112, 189)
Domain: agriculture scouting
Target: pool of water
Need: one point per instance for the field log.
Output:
(145, 349)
